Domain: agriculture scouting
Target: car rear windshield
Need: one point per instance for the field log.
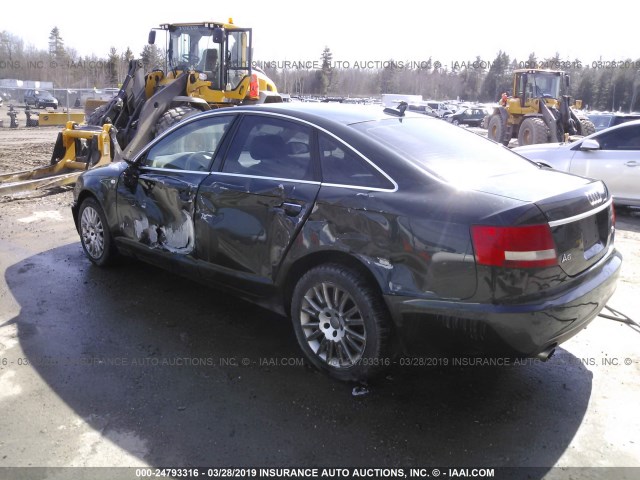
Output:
(452, 153)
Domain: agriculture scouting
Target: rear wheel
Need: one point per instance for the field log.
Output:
(94, 233)
(497, 129)
(341, 322)
(532, 131)
(587, 127)
(173, 116)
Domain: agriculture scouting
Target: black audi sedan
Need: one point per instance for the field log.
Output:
(369, 228)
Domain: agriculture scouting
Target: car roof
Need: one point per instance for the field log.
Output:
(319, 113)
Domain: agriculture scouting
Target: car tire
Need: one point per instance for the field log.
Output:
(497, 128)
(456, 122)
(341, 323)
(533, 130)
(173, 116)
(95, 236)
(36, 104)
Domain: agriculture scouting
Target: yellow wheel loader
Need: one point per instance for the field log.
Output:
(208, 65)
(539, 110)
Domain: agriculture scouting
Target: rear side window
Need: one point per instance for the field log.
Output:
(453, 154)
(270, 147)
(342, 166)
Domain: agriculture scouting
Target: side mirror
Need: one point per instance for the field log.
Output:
(152, 37)
(590, 144)
(218, 35)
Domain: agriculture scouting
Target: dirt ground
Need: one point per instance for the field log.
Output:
(24, 148)
(580, 409)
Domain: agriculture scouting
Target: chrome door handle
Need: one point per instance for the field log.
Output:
(631, 163)
(291, 209)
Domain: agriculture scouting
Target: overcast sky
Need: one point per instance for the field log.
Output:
(354, 30)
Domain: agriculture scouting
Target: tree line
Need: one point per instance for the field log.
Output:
(63, 66)
(601, 85)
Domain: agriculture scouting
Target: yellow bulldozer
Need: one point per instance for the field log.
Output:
(539, 110)
(207, 65)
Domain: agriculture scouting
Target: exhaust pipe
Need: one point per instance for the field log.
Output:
(547, 353)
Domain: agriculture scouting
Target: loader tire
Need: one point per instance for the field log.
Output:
(497, 129)
(532, 131)
(586, 127)
(173, 116)
(95, 117)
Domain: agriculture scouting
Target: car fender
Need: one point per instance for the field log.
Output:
(100, 183)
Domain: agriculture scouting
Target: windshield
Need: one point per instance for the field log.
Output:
(545, 85)
(451, 153)
(193, 48)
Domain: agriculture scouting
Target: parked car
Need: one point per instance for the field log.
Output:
(440, 108)
(467, 116)
(422, 108)
(40, 98)
(368, 227)
(611, 155)
(606, 120)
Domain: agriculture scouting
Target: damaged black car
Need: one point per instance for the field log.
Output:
(375, 231)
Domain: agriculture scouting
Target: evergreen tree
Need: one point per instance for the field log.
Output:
(56, 44)
(325, 78)
(112, 66)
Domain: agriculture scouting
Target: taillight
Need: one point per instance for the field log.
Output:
(516, 247)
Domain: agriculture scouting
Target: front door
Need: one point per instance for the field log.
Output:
(157, 200)
(617, 162)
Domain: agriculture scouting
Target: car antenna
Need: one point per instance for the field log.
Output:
(399, 111)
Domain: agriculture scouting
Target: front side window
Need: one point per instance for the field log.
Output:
(271, 147)
(625, 138)
(191, 147)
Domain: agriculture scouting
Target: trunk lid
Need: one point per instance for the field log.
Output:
(579, 212)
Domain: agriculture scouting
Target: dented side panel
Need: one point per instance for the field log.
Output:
(156, 210)
(417, 256)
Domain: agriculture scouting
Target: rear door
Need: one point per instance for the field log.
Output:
(251, 210)
(617, 162)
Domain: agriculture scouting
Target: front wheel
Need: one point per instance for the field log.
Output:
(94, 233)
(587, 127)
(533, 130)
(173, 116)
(341, 323)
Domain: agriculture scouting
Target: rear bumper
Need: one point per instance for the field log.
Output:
(515, 329)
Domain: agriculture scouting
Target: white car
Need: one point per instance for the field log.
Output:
(611, 155)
